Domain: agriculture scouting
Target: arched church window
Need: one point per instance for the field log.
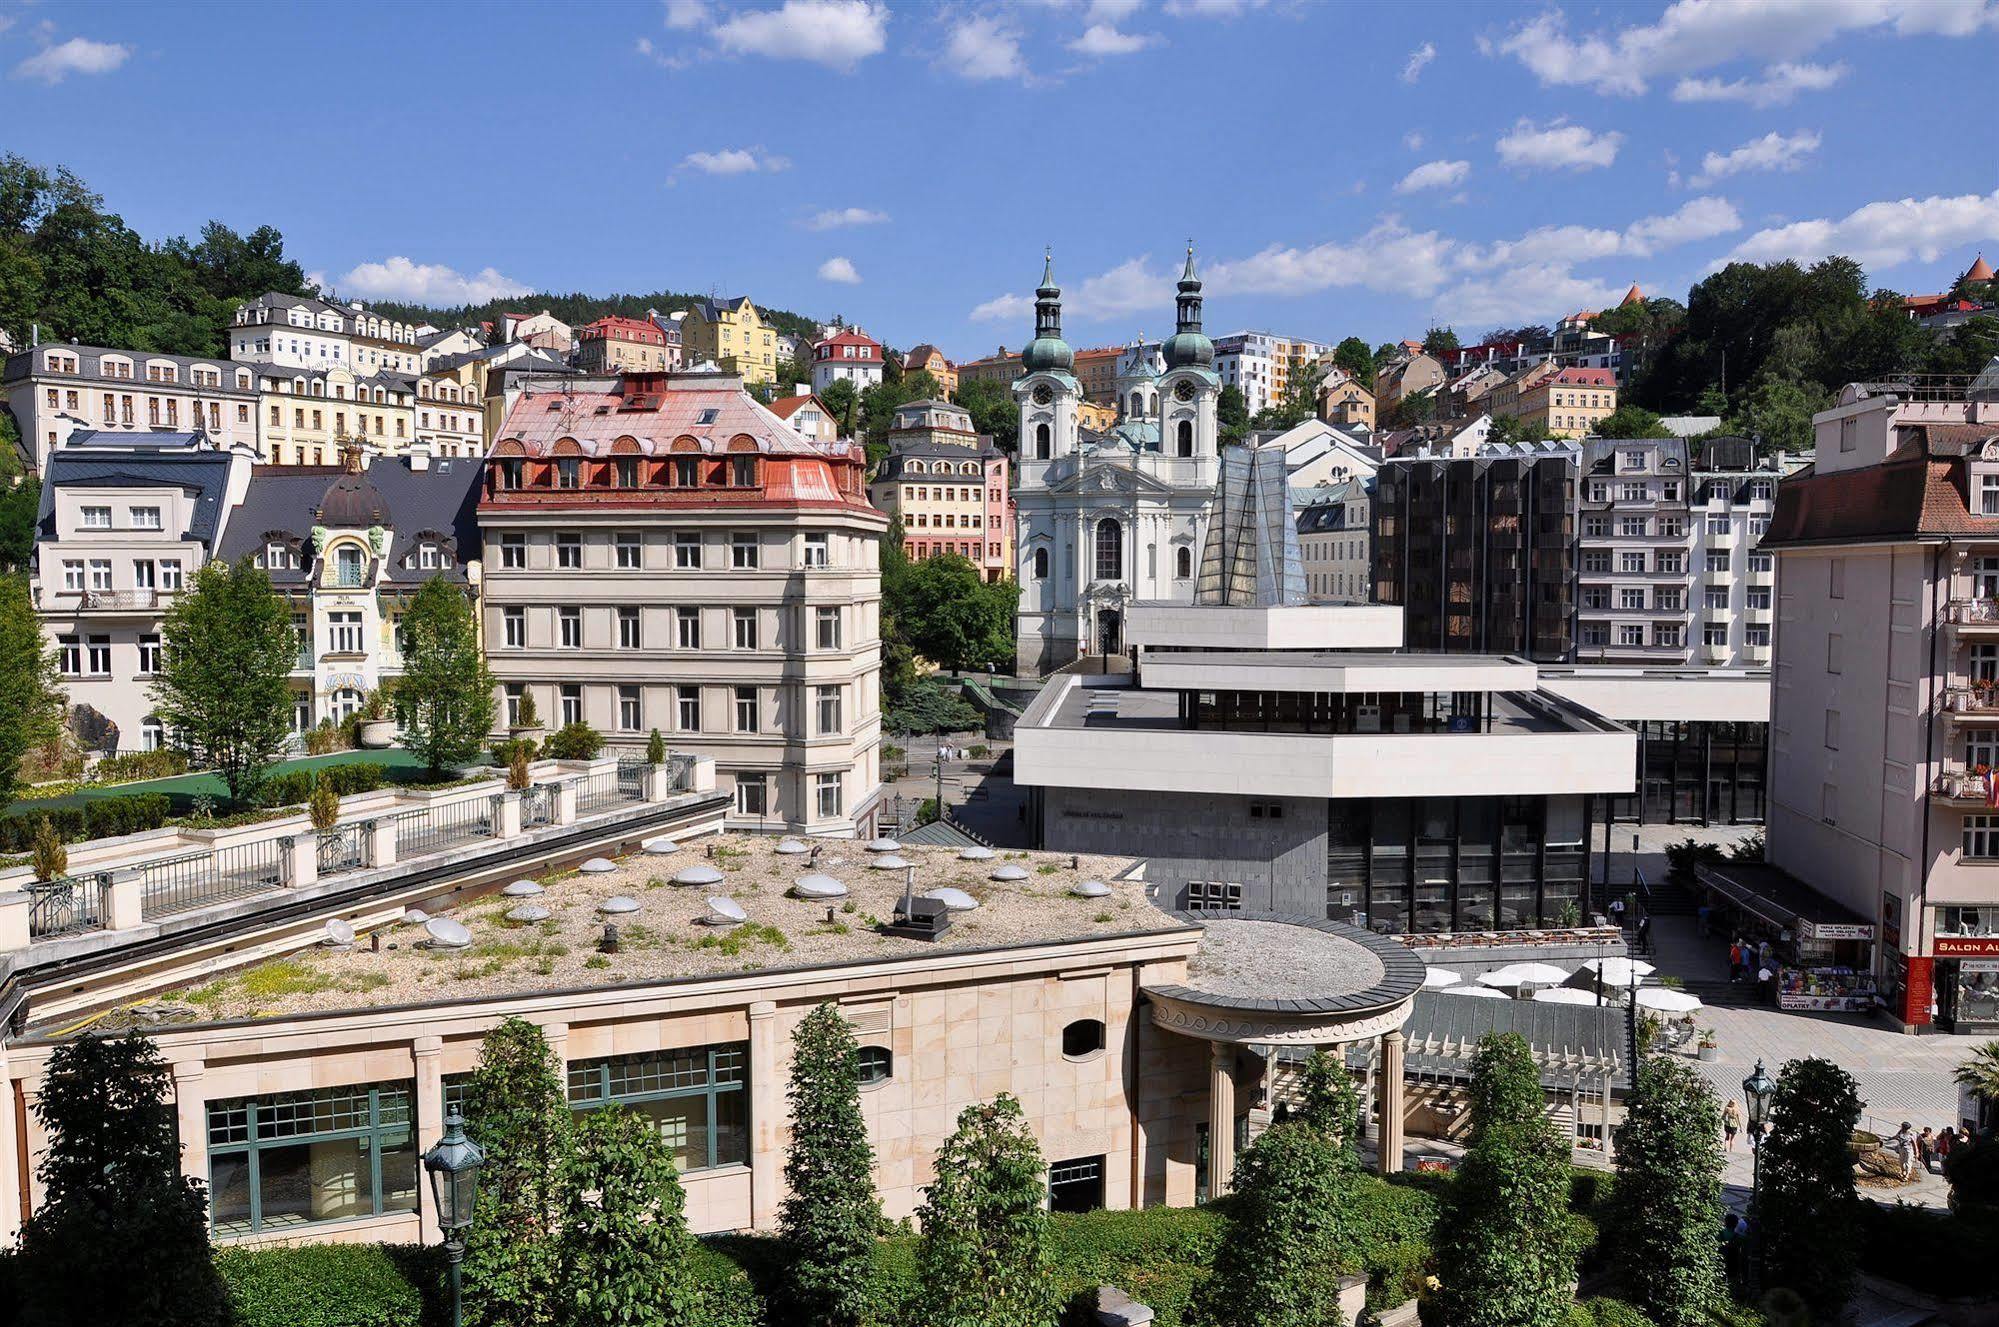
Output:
(1040, 564)
(1137, 404)
(1186, 437)
(1110, 550)
(1183, 563)
(1040, 442)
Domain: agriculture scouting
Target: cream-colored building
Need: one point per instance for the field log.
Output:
(948, 486)
(304, 416)
(292, 332)
(1568, 402)
(57, 389)
(1344, 401)
(680, 559)
(927, 358)
(450, 414)
(730, 334)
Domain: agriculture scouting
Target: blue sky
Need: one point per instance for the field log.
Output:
(1342, 169)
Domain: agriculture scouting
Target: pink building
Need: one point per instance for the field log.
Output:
(947, 485)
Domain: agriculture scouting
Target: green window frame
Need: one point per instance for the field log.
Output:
(697, 1096)
(302, 1158)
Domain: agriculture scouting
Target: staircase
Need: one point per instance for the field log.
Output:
(1725, 994)
(1667, 899)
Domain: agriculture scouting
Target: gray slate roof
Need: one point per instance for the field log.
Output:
(161, 460)
(443, 499)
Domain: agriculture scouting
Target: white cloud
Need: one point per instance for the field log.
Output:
(1772, 152)
(1212, 8)
(1130, 287)
(78, 55)
(6, 22)
(1103, 39)
(684, 14)
(1533, 291)
(1388, 258)
(1112, 11)
(1881, 234)
(1692, 35)
(1697, 219)
(1004, 309)
(1434, 175)
(1780, 84)
(981, 48)
(1557, 145)
(734, 161)
(836, 33)
(1412, 69)
(837, 217)
(427, 283)
(840, 270)
(1413, 140)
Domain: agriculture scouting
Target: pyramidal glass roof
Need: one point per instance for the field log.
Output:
(1250, 557)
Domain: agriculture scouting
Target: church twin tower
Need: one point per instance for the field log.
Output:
(1105, 519)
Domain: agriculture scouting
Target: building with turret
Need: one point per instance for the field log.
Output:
(1108, 517)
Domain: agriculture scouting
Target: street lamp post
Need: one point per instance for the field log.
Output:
(1757, 1089)
(454, 1184)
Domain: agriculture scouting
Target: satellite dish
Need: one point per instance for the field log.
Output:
(1010, 871)
(957, 900)
(725, 912)
(661, 846)
(339, 935)
(1090, 889)
(618, 904)
(977, 852)
(415, 916)
(884, 845)
(818, 885)
(445, 933)
(792, 847)
(598, 866)
(698, 875)
(527, 912)
(888, 862)
(522, 889)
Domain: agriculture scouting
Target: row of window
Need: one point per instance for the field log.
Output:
(745, 630)
(746, 711)
(94, 574)
(628, 550)
(136, 518)
(159, 371)
(924, 548)
(159, 413)
(1670, 635)
(946, 521)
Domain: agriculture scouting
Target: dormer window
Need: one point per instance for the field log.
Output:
(277, 556)
(568, 472)
(429, 557)
(1987, 491)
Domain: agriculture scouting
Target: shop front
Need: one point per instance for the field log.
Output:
(1966, 968)
(1822, 953)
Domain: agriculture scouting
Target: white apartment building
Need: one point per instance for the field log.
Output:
(678, 558)
(55, 390)
(302, 333)
(126, 520)
(1333, 541)
(1260, 364)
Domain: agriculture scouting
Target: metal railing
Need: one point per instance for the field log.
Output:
(537, 805)
(444, 825)
(343, 848)
(608, 787)
(680, 773)
(66, 905)
(632, 778)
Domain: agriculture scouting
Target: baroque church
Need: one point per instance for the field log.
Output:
(1107, 519)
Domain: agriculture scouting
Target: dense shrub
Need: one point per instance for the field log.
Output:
(1973, 1173)
(573, 741)
(135, 765)
(1684, 857)
(1948, 1254)
(294, 786)
(1606, 1312)
(332, 1285)
(101, 818)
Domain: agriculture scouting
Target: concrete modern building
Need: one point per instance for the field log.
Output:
(669, 554)
(126, 520)
(1261, 365)
(349, 546)
(1885, 726)
(55, 390)
(948, 486)
(295, 332)
(846, 356)
(1107, 519)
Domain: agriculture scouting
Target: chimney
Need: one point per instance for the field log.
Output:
(419, 455)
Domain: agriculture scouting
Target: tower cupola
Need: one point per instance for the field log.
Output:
(1047, 352)
(1188, 348)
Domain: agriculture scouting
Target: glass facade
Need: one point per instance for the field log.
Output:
(697, 1098)
(1697, 773)
(301, 1157)
(1409, 864)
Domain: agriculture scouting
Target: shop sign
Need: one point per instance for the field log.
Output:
(1917, 990)
(1956, 946)
(1838, 930)
(1838, 1004)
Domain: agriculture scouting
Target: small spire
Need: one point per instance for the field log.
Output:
(1048, 267)
(1189, 274)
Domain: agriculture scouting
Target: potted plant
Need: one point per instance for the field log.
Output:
(655, 749)
(1708, 1048)
(377, 728)
(48, 855)
(519, 777)
(527, 718)
(324, 805)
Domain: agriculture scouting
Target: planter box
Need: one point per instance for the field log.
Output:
(1710, 1053)
(377, 734)
(464, 792)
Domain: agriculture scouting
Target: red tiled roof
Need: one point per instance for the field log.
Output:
(787, 406)
(639, 329)
(1584, 378)
(847, 336)
(660, 414)
(1918, 491)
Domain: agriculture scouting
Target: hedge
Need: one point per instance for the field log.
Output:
(333, 1285)
(294, 786)
(101, 818)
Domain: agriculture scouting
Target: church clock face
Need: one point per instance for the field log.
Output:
(1042, 394)
(1183, 390)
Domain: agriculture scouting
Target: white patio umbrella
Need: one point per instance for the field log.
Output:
(1617, 971)
(1479, 992)
(1667, 1000)
(1435, 979)
(1564, 995)
(1524, 974)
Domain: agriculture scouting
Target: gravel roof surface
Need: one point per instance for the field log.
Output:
(1278, 961)
(665, 938)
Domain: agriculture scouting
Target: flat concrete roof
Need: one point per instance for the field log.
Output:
(666, 939)
(1090, 705)
(1333, 671)
(1285, 963)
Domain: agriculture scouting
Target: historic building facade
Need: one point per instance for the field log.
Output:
(1108, 518)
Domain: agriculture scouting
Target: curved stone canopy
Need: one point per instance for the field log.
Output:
(1288, 979)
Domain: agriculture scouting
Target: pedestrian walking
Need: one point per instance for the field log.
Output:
(1903, 1144)
(1731, 1123)
(1735, 961)
(1926, 1150)
(1946, 1144)
(1617, 913)
(1704, 918)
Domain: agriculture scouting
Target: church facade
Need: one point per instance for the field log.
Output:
(1105, 519)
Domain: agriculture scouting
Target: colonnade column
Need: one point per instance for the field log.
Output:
(1221, 1118)
(766, 1116)
(1391, 1107)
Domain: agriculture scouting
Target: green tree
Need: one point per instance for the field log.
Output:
(1440, 341)
(928, 706)
(222, 691)
(515, 1108)
(1413, 409)
(1631, 421)
(843, 400)
(1666, 1204)
(1353, 356)
(119, 1235)
(1806, 1210)
(31, 695)
(1280, 1256)
(626, 1254)
(950, 613)
(830, 1218)
(1231, 415)
(1331, 1105)
(880, 402)
(993, 410)
(18, 506)
(13, 466)
(1505, 1254)
(1978, 1071)
(1779, 412)
(444, 699)
(983, 1260)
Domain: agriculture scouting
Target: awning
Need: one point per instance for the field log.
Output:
(1782, 899)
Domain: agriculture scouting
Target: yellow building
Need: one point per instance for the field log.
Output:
(303, 415)
(1569, 402)
(731, 333)
(1096, 416)
(1344, 401)
(927, 358)
(1003, 366)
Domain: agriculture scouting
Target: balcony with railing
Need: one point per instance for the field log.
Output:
(1966, 789)
(1976, 705)
(1973, 617)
